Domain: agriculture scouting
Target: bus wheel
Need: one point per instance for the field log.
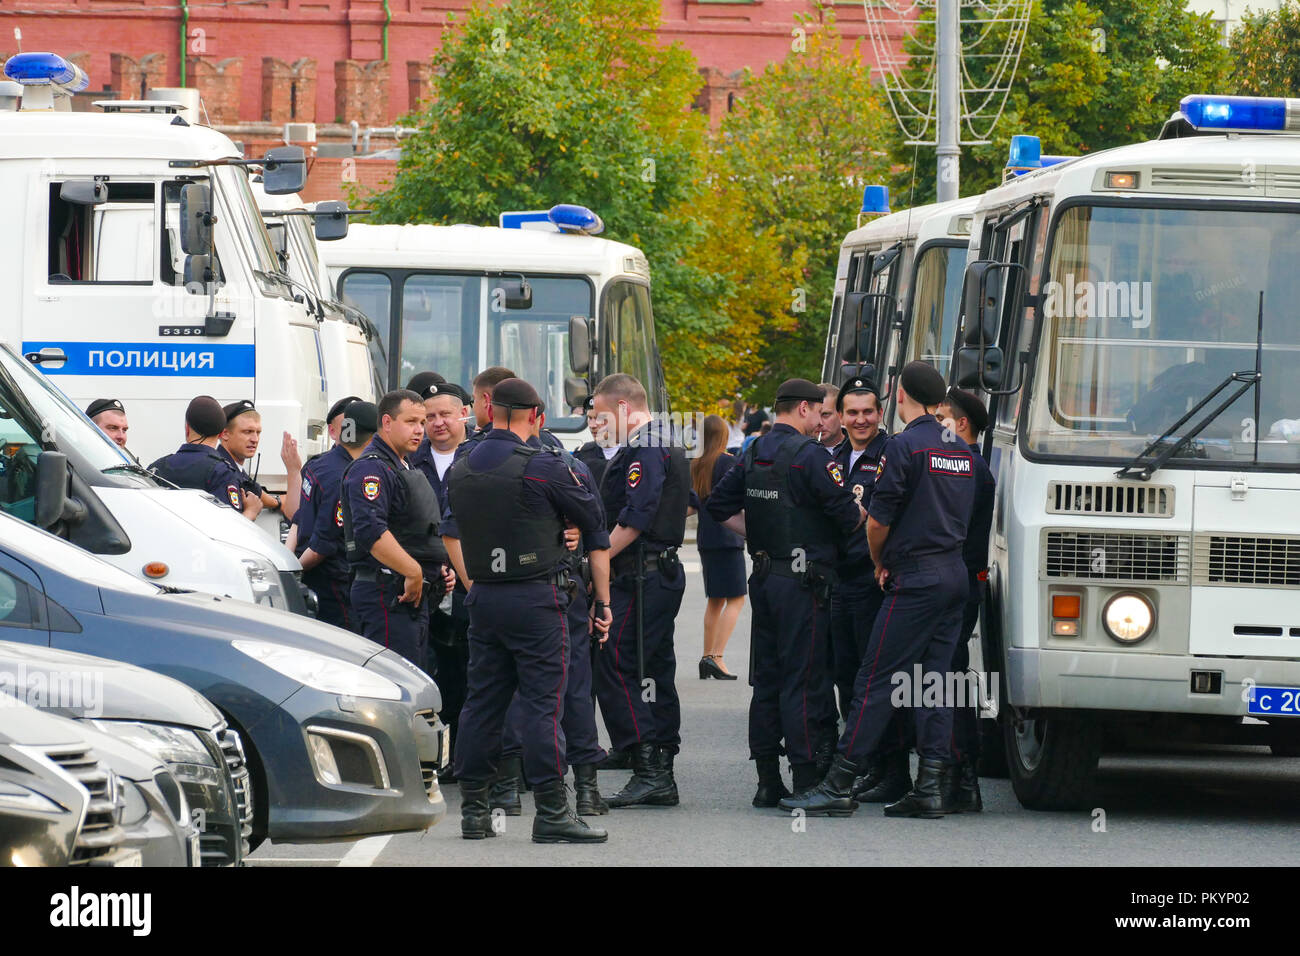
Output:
(1052, 761)
(993, 750)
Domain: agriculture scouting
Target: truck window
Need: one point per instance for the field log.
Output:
(109, 243)
(628, 347)
(372, 293)
(534, 342)
(435, 311)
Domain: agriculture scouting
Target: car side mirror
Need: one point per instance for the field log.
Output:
(859, 324)
(974, 367)
(83, 192)
(331, 220)
(579, 344)
(284, 170)
(576, 392)
(53, 505)
(982, 299)
(200, 273)
(196, 218)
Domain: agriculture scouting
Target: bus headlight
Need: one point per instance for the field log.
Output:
(1128, 617)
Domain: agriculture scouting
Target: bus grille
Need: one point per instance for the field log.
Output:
(1230, 560)
(1110, 498)
(1116, 556)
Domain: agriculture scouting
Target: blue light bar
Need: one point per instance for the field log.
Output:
(45, 69)
(1046, 161)
(1025, 153)
(875, 201)
(1241, 114)
(570, 218)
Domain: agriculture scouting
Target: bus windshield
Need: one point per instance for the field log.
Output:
(1146, 311)
(934, 308)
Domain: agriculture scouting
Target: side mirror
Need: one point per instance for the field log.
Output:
(576, 392)
(196, 218)
(200, 272)
(982, 299)
(859, 325)
(284, 170)
(973, 370)
(512, 294)
(331, 218)
(52, 502)
(83, 192)
(279, 234)
(579, 344)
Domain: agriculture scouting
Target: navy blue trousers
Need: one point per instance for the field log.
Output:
(637, 714)
(792, 700)
(854, 604)
(390, 624)
(966, 718)
(518, 641)
(918, 623)
(579, 720)
(333, 598)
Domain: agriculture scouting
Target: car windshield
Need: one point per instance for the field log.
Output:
(60, 421)
(1146, 311)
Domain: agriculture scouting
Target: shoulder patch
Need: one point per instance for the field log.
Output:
(837, 475)
(955, 464)
(306, 487)
(880, 466)
(338, 513)
(634, 474)
(233, 492)
(370, 487)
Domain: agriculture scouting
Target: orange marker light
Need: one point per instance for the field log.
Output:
(156, 569)
(1065, 606)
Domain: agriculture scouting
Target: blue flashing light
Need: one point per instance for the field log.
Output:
(875, 201)
(1025, 153)
(42, 69)
(1045, 161)
(570, 218)
(1245, 114)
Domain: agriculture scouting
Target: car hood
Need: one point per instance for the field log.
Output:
(221, 523)
(81, 686)
(25, 726)
(239, 620)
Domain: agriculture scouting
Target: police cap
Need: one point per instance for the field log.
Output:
(422, 380)
(337, 408)
(434, 389)
(970, 406)
(855, 386)
(515, 393)
(104, 405)
(235, 409)
(923, 382)
(363, 417)
(205, 416)
(799, 390)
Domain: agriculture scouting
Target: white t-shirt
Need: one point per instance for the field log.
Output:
(442, 461)
(854, 455)
(611, 451)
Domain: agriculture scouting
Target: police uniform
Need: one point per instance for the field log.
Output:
(197, 465)
(924, 493)
(381, 492)
(232, 411)
(508, 503)
(797, 511)
(647, 486)
(320, 524)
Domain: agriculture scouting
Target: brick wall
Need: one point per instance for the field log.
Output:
(330, 177)
(288, 90)
(219, 83)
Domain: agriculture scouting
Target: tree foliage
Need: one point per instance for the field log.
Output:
(1266, 52)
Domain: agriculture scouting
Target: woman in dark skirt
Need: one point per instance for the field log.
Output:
(722, 553)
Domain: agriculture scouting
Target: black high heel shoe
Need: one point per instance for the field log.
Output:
(709, 668)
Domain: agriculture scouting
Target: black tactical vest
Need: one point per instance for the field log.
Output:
(774, 523)
(593, 456)
(501, 538)
(193, 473)
(415, 526)
(669, 525)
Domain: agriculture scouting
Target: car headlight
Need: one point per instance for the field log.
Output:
(328, 674)
(180, 749)
(14, 796)
(264, 580)
(1128, 617)
(134, 806)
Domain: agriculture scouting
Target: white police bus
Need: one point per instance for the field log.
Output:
(137, 266)
(538, 294)
(1131, 315)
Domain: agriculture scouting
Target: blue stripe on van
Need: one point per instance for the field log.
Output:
(150, 358)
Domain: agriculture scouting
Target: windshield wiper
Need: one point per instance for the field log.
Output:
(134, 468)
(1142, 469)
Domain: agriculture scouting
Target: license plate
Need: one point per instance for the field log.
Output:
(1275, 701)
(130, 858)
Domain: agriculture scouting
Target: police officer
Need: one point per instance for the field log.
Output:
(334, 420)
(508, 502)
(390, 531)
(446, 410)
(110, 416)
(830, 430)
(239, 441)
(594, 454)
(198, 463)
(796, 512)
(965, 414)
(318, 523)
(916, 527)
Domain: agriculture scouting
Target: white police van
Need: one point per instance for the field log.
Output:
(138, 266)
(1130, 313)
(539, 294)
(897, 291)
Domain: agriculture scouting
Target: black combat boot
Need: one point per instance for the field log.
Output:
(587, 798)
(616, 760)
(808, 775)
(666, 765)
(475, 814)
(555, 822)
(964, 786)
(650, 785)
(506, 786)
(931, 798)
(830, 798)
(823, 758)
(889, 780)
(771, 788)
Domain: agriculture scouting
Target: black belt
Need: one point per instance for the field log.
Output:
(625, 563)
(364, 573)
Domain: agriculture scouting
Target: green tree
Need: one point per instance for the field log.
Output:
(1266, 52)
(808, 133)
(1092, 75)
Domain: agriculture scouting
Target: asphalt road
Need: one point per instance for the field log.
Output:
(1208, 807)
